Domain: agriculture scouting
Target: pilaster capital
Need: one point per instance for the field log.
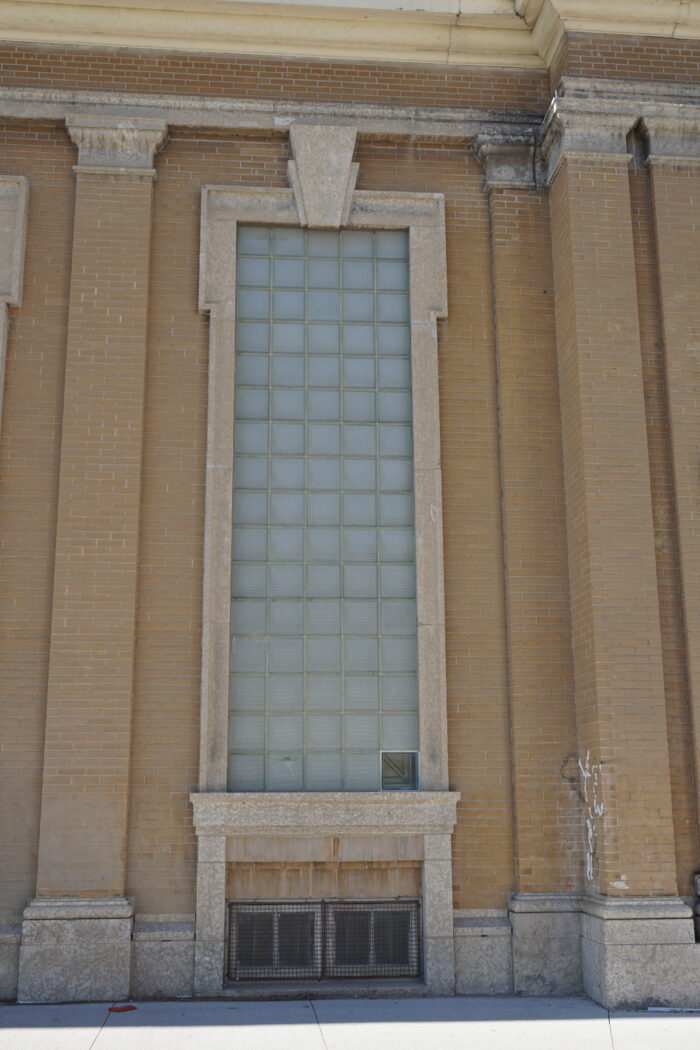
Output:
(575, 128)
(109, 144)
(509, 159)
(672, 138)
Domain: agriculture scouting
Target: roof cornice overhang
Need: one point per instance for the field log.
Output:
(507, 33)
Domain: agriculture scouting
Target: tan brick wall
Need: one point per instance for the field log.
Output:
(323, 881)
(548, 822)
(31, 435)
(242, 76)
(620, 702)
(675, 61)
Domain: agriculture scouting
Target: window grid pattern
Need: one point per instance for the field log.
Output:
(323, 617)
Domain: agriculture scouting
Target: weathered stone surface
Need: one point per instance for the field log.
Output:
(483, 956)
(161, 969)
(74, 959)
(546, 944)
(322, 174)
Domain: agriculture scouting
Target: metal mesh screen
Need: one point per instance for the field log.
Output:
(283, 940)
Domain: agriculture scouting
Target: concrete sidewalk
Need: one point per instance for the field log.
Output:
(347, 1024)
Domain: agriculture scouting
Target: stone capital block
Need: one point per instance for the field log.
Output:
(109, 143)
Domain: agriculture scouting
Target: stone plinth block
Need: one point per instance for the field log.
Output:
(73, 951)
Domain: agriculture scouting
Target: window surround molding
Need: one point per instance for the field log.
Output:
(322, 177)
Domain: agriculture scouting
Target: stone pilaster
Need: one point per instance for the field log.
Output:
(14, 194)
(674, 166)
(543, 727)
(623, 762)
(82, 844)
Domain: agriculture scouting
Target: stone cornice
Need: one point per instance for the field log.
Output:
(509, 161)
(510, 33)
(116, 145)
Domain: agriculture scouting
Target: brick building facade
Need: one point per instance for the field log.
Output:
(391, 318)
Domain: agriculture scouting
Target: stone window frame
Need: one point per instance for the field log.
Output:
(378, 823)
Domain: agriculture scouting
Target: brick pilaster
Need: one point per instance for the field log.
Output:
(88, 717)
(543, 726)
(620, 703)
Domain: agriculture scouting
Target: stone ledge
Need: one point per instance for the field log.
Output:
(163, 931)
(326, 813)
(536, 903)
(79, 908)
(635, 907)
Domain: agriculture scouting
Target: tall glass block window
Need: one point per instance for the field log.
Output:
(323, 612)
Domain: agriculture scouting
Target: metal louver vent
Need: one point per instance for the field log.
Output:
(278, 940)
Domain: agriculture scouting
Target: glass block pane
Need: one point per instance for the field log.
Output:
(248, 616)
(324, 771)
(398, 617)
(323, 509)
(323, 338)
(395, 372)
(396, 545)
(396, 510)
(324, 692)
(248, 581)
(251, 437)
(323, 581)
(359, 440)
(246, 732)
(325, 244)
(359, 545)
(391, 244)
(323, 654)
(252, 370)
(323, 545)
(361, 693)
(392, 276)
(286, 544)
(253, 239)
(323, 305)
(286, 306)
(361, 731)
(323, 439)
(287, 473)
(395, 408)
(288, 242)
(393, 339)
(324, 371)
(286, 692)
(287, 404)
(357, 274)
(361, 772)
(395, 441)
(246, 772)
(323, 617)
(323, 732)
(358, 372)
(360, 581)
(359, 617)
(289, 273)
(250, 473)
(323, 474)
(253, 271)
(251, 404)
(360, 474)
(398, 581)
(285, 772)
(357, 306)
(356, 244)
(360, 654)
(323, 404)
(359, 509)
(396, 475)
(250, 508)
(250, 545)
(358, 338)
(286, 655)
(285, 731)
(287, 438)
(288, 338)
(323, 273)
(399, 692)
(400, 732)
(252, 336)
(253, 304)
(247, 692)
(287, 617)
(392, 307)
(288, 370)
(286, 508)
(359, 407)
(398, 654)
(285, 581)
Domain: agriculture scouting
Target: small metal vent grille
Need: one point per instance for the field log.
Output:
(273, 940)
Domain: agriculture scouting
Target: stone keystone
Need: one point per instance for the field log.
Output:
(322, 173)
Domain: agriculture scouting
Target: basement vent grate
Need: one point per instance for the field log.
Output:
(292, 940)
